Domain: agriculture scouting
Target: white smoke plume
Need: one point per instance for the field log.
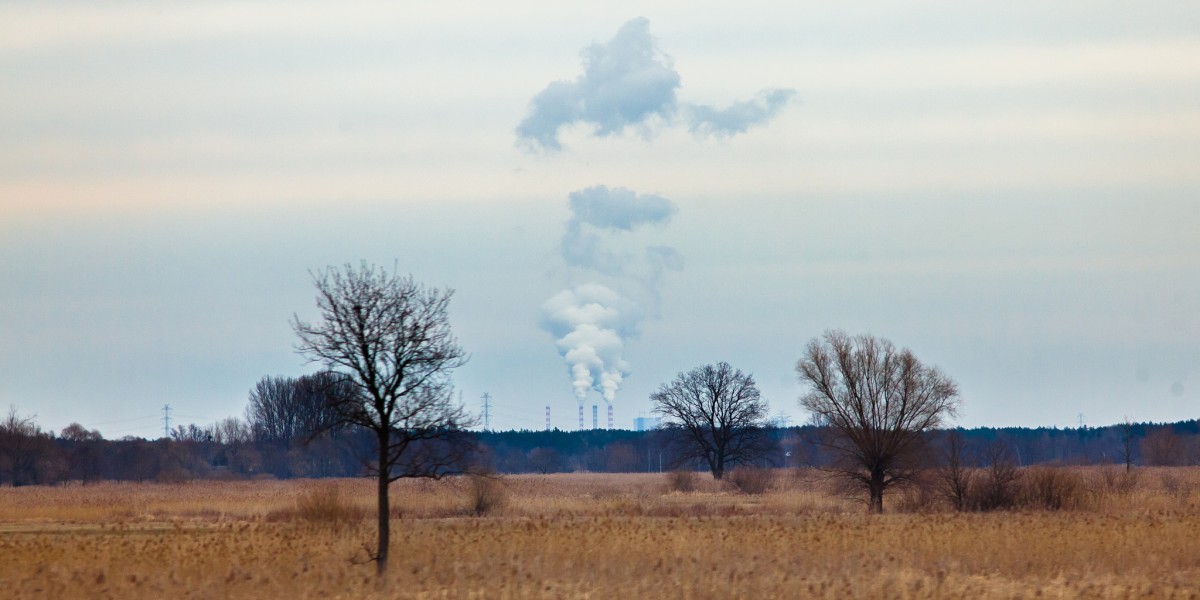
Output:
(591, 322)
(628, 83)
(740, 116)
(598, 216)
(624, 83)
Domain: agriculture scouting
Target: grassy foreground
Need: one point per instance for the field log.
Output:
(589, 536)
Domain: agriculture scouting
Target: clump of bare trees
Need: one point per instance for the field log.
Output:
(27, 454)
(954, 477)
(1163, 448)
(285, 410)
(998, 487)
(1000, 482)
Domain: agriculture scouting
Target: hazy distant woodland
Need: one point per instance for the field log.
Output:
(234, 449)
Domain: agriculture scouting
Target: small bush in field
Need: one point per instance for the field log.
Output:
(486, 493)
(682, 481)
(324, 505)
(1118, 480)
(751, 480)
(920, 495)
(999, 485)
(1052, 488)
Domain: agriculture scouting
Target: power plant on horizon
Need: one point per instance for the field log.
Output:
(640, 423)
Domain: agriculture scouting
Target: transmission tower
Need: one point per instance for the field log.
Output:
(487, 412)
(166, 420)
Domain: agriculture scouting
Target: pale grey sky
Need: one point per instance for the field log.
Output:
(1010, 190)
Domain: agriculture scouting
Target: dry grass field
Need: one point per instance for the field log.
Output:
(593, 536)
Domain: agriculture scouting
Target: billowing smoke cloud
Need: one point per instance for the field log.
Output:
(660, 259)
(591, 322)
(624, 82)
(629, 82)
(740, 116)
(596, 214)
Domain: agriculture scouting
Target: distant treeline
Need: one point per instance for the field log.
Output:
(234, 448)
(1165, 444)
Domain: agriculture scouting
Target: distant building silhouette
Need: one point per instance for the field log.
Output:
(646, 423)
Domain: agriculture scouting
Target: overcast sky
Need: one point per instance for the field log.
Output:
(617, 193)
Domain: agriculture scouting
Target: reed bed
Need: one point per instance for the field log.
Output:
(594, 536)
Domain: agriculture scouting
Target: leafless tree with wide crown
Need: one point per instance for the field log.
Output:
(715, 414)
(877, 402)
(390, 337)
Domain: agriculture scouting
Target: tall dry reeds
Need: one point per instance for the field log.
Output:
(321, 505)
(684, 481)
(1053, 488)
(799, 538)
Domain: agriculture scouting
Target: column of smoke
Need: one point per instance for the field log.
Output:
(591, 321)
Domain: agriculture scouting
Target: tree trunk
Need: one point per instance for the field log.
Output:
(876, 488)
(385, 523)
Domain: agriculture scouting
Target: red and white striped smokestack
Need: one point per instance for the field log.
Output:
(610, 424)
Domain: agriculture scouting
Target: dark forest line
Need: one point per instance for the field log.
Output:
(233, 450)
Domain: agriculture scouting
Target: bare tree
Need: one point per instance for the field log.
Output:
(1127, 444)
(716, 415)
(877, 403)
(282, 410)
(545, 460)
(390, 337)
(954, 476)
(82, 452)
(272, 409)
(1163, 448)
(20, 449)
(192, 433)
(1002, 475)
(78, 433)
(230, 431)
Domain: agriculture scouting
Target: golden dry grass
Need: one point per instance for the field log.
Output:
(590, 536)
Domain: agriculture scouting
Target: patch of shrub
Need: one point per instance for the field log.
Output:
(751, 480)
(922, 493)
(322, 505)
(1118, 480)
(997, 486)
(1176, 487)
(1053, 488)
(681, 480)
(486, 493)
(173, 475)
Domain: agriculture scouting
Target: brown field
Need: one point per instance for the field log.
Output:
(593, 536)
